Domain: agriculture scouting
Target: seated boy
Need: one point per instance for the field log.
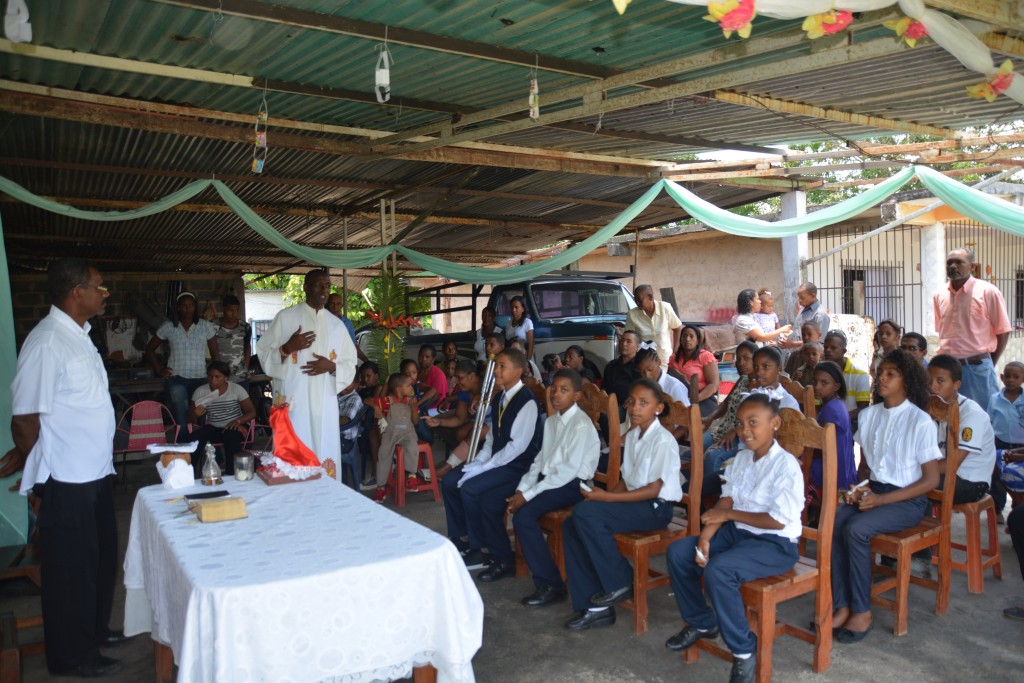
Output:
(811, 354)
(475, 494)
(977, 442)
(810, 331)
(568, 456)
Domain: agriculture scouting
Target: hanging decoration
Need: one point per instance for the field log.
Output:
(828, 17)
(17, 27)
(733, 15)
(621, 5)
(995, 86)
(534, 99)
(907, 29)
(259, 150)
(382, 73)
(827, 23)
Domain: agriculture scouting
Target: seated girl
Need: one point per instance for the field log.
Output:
(227, 408)
(751, 533)
(599, 576)
(830, 389)
(552, 363)
(691, 358)
(650, 367)
(767, 369)
(719, 427)
(901, 455)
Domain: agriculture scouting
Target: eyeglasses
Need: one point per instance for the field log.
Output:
(99, 288)
(910, 348)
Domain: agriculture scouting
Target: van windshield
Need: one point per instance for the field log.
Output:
(559, 300)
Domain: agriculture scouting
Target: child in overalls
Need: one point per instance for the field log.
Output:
(400, 415)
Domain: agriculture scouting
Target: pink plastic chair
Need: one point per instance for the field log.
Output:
(148, 422)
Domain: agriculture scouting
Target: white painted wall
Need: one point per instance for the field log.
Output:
(263, 304)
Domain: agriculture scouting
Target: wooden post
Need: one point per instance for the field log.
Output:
(424, 674)
(164, 662)
(344, 271)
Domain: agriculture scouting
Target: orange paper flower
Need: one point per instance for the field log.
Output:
(996, 85)
(827, 23)
(907, 29)
(732, 15)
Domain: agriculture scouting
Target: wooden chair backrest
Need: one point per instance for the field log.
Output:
(538, 389)
(949, 413)
(610, 409)
(592, 401)
(801, 436)
(678, 414)
(803, 395)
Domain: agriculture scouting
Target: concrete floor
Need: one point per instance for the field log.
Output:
(973, 641)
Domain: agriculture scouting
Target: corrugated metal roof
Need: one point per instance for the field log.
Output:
(498, 212)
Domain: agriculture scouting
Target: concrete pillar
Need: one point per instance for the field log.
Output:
(794, 251)
(933, 275)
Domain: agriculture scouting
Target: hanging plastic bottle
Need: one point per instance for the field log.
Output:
(211, 470)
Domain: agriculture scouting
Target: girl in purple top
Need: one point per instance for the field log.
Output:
(830, 389)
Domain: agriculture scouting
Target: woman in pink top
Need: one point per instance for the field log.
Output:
(691, 358)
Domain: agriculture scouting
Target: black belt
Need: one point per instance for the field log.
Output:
(974, 360)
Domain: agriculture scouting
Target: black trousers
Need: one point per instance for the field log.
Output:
(78, 541)
(1016, 524)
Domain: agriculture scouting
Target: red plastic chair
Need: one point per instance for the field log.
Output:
(396, 478)
(148, 423)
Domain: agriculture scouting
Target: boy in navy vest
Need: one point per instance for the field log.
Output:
(475, 494)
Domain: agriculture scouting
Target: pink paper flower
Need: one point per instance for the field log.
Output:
(732, 15)
(907, 29)
(827, 23)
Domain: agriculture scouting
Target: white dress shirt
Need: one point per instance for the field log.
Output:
(651, 457)
(519, 439)
(896, 442)
(772, 484)
(61, 377)
(570, 451)
(675, 389)
(977, 438)
(779, 394)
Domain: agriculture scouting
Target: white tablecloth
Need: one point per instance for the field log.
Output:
(317, 584)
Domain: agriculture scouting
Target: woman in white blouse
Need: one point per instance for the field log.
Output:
(519, 325)
(745, 326)
(901, 459)
(599, 576)
(751, 533)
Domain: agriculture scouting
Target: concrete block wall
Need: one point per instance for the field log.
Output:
(31, 302)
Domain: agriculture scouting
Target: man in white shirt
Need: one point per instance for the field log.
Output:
(311, 358)
(655, 321)
(63, 428)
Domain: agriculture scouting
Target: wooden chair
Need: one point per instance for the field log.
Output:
(931, 532)
(978, 558)
(640, 546)
(539, 391)
(800, 436)
(803, 395)
(19, 562)
(594, 403)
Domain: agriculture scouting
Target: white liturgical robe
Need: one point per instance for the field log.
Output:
(313, 398)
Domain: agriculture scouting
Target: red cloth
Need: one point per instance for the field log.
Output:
(287, 445)
(695, 366)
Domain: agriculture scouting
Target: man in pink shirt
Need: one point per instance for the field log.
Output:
(970, 316)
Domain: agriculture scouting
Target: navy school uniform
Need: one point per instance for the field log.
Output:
(739, 553)
(568, 455)
(895, 443)
(475, 494)
(593, 562)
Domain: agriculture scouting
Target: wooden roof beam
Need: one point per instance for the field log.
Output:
(800, 109)
(820, 59)
(541, 160)
(1002, 13)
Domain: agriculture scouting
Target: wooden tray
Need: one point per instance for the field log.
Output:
(278, 478)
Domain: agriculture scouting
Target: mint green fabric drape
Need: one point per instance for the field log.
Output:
(972, 203)
(13, 508)
(985, 208)
(732, 223)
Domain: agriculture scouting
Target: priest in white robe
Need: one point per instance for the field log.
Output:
(310, 356)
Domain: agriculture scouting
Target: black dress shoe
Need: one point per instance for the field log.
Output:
(497, 571)
(612, 597)
(587, 620)
(545, 595)
(743, 670)
(113, 639)
(685, 639)
(97, 668)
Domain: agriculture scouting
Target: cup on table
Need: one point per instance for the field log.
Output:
(244, 466)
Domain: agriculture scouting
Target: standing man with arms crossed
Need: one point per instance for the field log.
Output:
(311, 358)
(63, 428)
(655, 321)
(973, 327)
